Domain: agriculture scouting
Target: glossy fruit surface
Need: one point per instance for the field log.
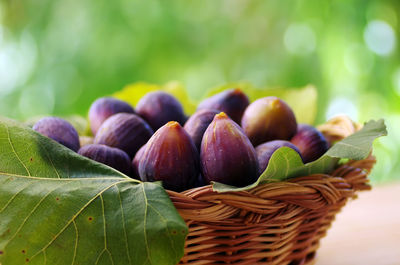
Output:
(158, 108)
(113, 157)
(264, 152)
(197, 124)
(59, 130)
(311, 142)
(125, 131)
(136, 160)
(170, 156)
(268, 119)
(103, 108)
(227, 155)
(233, 102)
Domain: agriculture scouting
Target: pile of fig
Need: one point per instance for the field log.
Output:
(227, 140)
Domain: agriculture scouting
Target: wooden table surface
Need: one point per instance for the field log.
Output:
(367, 231)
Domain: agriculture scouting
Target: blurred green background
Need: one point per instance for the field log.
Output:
(56, 57)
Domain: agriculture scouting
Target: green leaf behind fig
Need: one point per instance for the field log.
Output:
(285, 163)
(57, 207)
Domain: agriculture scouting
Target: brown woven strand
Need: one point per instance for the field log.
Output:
(275, 224)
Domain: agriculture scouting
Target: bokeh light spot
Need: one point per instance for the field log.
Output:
(380, 37)
(340, 106)
(299, 39)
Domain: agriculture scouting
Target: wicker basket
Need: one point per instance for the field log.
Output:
(278, 223)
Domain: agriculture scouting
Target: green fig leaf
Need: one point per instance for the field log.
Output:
(57, 207)
(285, 163)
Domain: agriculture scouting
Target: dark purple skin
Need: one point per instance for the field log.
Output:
(136, 160)
(59, 130)
(268, 119)
(170, 156)
(103, 108)
(110, 156)
(311, 142)
(233, 102)
(125, 131)
(158, 108)
(264, 152)
(227, 155)
(197, 124)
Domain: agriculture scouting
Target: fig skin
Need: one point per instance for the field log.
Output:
(233, 102)
(170, 156)
(110, 156)
(59, 130)
(105, 107)
(125, 131)
(158, 108)
(197, 124)
(85, 140)
(227, 155)
(311, 142)
(268, 119)
(136, 160)
(264, 152)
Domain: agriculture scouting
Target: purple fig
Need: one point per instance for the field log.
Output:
(198, 123)
(59, 130)
(158, 108)
(103, 108)
(311, 142)
(170, 156)
(110, 156)
(233, 102)
(227, 155)
(136, 160)
(125, 131)
(264, 152)
(267, 119)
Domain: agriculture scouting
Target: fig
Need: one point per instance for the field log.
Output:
(110, 156)
(136, 160)
(170, 156)
(267, 119)
(311, 142)
(264, 152)
(59, 130)
(227, 155)
(125, 131)
(198, 123)
(158, 108)
(233, 102)
(103, 108)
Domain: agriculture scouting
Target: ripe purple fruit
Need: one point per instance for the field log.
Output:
(311, 142)
(110, 156)
(233, 102)
(264, 152)
(136, 160)
(103, 108)
(171, 157)
(59, 130)
(197, 124)
(125, 131)
(267, 119)
(158, 108)
(227, 155)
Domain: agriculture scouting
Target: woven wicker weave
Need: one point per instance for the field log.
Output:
(278, 223)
